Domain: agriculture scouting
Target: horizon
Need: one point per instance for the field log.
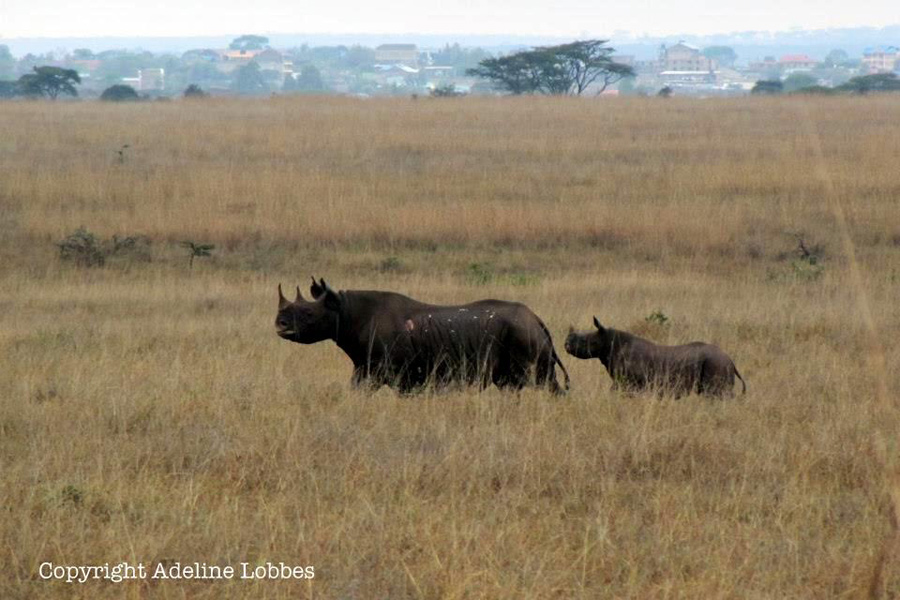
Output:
(54, 19)
(795, 38)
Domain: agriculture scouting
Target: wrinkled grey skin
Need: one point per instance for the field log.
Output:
(397, 341)
(637, 364)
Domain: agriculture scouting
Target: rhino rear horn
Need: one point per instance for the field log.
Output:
(598, 325)
(299, 296)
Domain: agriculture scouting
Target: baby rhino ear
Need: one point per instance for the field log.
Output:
(597, 324)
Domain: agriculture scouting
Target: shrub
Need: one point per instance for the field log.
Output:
(82, 248)
(448, 90)
(119, 93)
(479, 274)
(135, 247)
(390, 264)
(198, 249)
(657, 317)
(194, 91)
(767, 87)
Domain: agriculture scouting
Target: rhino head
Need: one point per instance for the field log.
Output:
(588, 344)
(308, 322)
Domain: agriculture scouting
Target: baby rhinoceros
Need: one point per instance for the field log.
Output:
(638, 364)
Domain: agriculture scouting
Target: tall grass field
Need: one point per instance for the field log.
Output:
(149, 414)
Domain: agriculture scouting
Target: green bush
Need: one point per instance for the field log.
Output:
(119, 93)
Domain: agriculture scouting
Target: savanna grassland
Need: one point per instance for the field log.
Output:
(149, 413)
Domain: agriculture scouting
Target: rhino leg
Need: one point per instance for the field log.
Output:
(364, 381)
(510, 373)
(716, 380)
(545, 373)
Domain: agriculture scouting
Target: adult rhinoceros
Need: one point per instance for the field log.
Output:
(406, 344)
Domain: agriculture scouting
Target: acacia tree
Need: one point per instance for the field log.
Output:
(724, 55)
(249, 42)
(878, 82)
(49, 82)
(248, 79)
(310, 80)
(564, 69)
(516, 73)
(7, 62)
(587, 62)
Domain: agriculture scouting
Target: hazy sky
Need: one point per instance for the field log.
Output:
(83, 18)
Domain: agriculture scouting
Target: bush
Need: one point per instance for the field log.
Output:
(767, 87)
(658, 317)
(194, 91)
(133, 247)
(819, 90)
(479, 274)
(119, 93)
(878, 82)
(448, 90)
(390, 264)
(82, 248)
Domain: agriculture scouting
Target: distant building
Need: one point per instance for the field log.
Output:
(202, 55)
(396, 75)
(883, 59)
(273, 60)
(240, 56)
(85, 65)
(684, 57)
(796, 62)
(152, 80)
(766, 64)
(392, 54)
(439, 72)
(688, 77)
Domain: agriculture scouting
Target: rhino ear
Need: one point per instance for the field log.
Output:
(299, 296)
(315, 289)
(282, 301)
(331, 298)
(597, 324)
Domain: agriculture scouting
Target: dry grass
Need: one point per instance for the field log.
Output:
(148, 412)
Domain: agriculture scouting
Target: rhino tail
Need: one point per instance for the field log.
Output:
(743, 383)
(556, 359)
(561, 366)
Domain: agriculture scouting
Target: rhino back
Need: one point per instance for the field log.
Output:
(397, 329)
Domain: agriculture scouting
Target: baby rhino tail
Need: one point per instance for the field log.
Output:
(743, 383)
